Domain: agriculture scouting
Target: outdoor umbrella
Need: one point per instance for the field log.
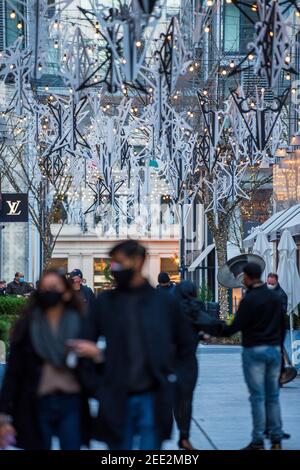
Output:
(288, 275)
(262, 248)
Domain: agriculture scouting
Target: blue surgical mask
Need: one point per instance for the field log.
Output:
(21, 280)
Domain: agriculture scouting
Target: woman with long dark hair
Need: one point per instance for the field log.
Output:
(200, 320)
(43, 390)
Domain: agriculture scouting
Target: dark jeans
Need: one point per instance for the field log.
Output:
(140, 423)
(262, 365)
(60, 415)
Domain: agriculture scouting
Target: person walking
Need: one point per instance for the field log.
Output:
(43, 393)
(18, 286)
(165, 283)
(194, 310)
(147, 338)
(260, 318)
(85, 292)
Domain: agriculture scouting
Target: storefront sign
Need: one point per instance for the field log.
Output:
(14, 207)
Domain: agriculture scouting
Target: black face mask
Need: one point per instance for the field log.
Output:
(47, 299)
(123, 277)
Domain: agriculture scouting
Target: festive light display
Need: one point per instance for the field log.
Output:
(109, 122)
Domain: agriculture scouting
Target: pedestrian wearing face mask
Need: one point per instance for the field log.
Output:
(85, 292)
(18, 286)
(273, 284)
(260, 319)
(43, 393)
(146, 335)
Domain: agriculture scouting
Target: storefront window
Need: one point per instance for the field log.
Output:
(170, 265)
(59, 263)
(102, 276)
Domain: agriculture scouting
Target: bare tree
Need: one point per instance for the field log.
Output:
(47, 192)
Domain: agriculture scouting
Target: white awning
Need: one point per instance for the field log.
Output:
(288, 218)
(201, 257)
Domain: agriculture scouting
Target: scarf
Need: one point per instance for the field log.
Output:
(50, 345)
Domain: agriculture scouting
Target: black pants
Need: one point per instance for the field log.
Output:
(183, 411)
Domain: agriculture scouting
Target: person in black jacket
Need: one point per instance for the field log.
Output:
(43, 392)
(18, 286)
(273, 284)
(85, 292)
(260, 318)
(147, 339)
(194, 310)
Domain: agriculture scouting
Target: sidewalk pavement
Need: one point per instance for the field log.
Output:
(221, 409)
(221, 406)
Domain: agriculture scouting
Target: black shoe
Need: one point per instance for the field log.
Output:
(185, 444)
(255, 446)
(276, 446)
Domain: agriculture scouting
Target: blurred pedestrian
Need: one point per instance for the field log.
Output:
(165, 283)
(146, 335)
(19, 286)
(3, 287)
(194, 310)
(43, 390)
(85, 292)
(260, 318)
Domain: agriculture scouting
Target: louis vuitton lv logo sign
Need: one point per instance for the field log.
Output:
(13, 207)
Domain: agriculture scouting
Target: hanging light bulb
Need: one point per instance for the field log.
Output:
(12, 14)
(232, 64)
(56, 44)
(56, 24)
(19, 25)
(209, 3)
(138, 44)
(206, 29)
(224, 72)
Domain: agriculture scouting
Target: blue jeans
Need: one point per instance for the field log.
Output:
(261, 365)
(60, 415)
(140, 423)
